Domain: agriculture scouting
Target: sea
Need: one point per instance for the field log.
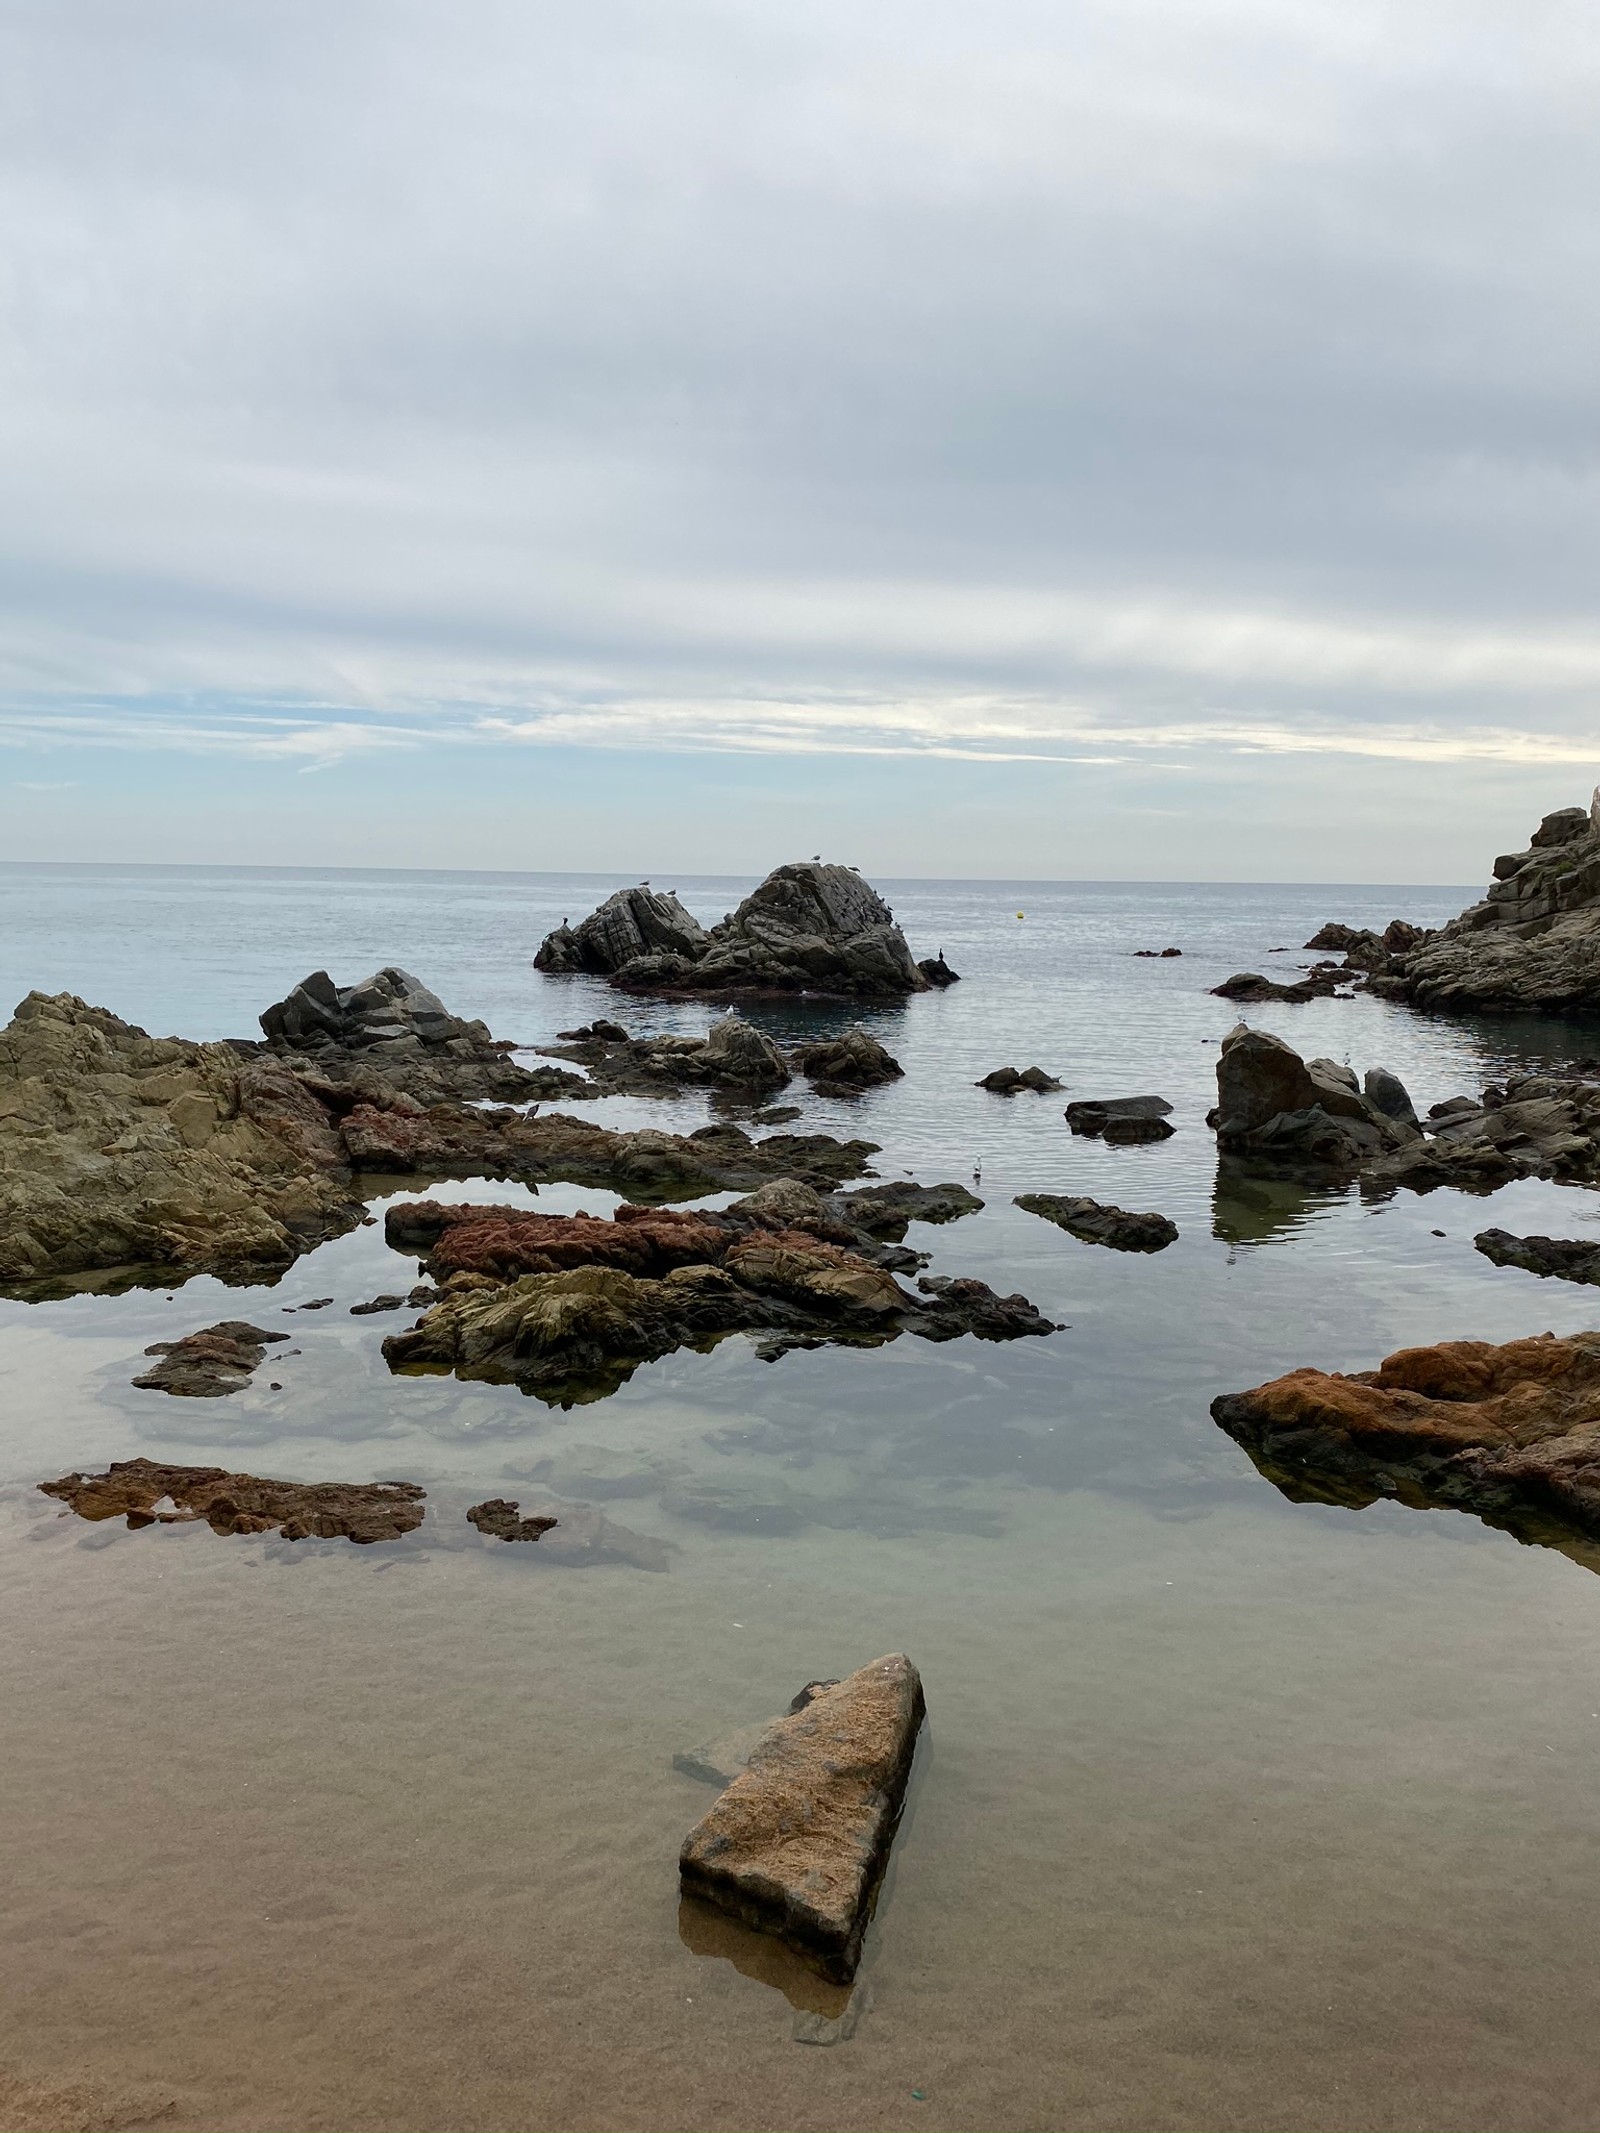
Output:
(1230, 1811)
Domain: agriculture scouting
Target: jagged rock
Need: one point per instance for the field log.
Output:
(211, 1363)
(1387, 1093)
(839, 1066)
(1511, 1432)
(118, 1149)
(884, 1210)
(1536, 1126)
(1007, 1081)
(497, 1519)
(1533, 944)
(1567, 1258)
(938, 972)
(1272, 1103)
(393, 1023)
(1121, 1118)
(733, 1055)
(585, 1302)
(632, 923)
(1097, 1223)
(797, 1844)
(139, 1489)
(809, 928)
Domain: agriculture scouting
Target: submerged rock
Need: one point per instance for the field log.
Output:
(808, 928)
(1097, 1223)
(211, 1363)
(1567, 1258)
(243, 1503)
(797, 1844)
(1007, 1081)
(1510, 1432)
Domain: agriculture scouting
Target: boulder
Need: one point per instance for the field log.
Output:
(632, 923)
(1511, 1432)
(808, 928)
(1567, 1258)
(1098, 1223)
(1387, 1093)
(140, 1490)
(839, 1066)
(1272, 1103)
(211, 1363)
(938, 972)
(797, 1844)
(1121, 1118)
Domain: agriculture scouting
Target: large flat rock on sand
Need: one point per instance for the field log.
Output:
(797, 1844)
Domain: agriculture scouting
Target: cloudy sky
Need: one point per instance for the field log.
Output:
(1149, 438)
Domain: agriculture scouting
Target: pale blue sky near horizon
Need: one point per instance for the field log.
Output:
(1121, 439)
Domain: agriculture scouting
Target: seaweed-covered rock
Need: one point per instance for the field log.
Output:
(797, 1844)
(1098, 1223)
(142, 1489)
(211, 1363)
(1511, 1432)
(808, 928)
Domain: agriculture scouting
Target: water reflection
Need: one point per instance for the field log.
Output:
(1255, 1206)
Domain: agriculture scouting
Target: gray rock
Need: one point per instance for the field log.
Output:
(841, 1065)
(1095, 1117)
(1096, 1223)
(634, 922)
(1007, 1081)
(1274, 1104)
(1387, 1093)
(395, 1025)
(1567, 1258)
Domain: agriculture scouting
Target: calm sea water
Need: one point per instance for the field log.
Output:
(1231, 1812)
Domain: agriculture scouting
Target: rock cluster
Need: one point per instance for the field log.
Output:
(808, 928)
(1510, 1432)
(733, 1058)
(392, 1023)
(1272, 1103)
(211, 1363)
(1007, 1081)
(797, 1844)
(1096, 1222)
(568, 1307)
(1320, 983)
(123, 1151)
(141, 1490)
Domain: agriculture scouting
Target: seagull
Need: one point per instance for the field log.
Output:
(816, 859)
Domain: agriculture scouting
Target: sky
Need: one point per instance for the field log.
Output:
(1140, 439)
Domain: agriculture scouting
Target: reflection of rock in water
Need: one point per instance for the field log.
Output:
(1252, 1206)
(704, 1931)
(1511, 1433)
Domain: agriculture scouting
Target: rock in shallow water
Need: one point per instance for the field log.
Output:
(797, 1844)
(1097, 1223)
(209, 1364)
(1567, 1258)
(243, 1503)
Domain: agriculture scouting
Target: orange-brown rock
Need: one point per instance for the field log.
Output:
(211, 1363)
(1511, 1432)
(797, 1844)
(140, 1490)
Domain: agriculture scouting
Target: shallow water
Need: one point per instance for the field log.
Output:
(1231, 1812)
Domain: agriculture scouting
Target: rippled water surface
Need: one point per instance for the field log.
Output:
(1231, 1812)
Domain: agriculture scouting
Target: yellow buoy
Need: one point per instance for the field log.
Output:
(1019, 914)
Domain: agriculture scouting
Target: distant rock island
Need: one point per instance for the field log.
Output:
(810, 928)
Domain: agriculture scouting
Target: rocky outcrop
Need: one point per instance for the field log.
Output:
(797, 1844)
(1510, 1432)
(391, 1023)
(732, 1056)
(1007, 1081)
(1566, 1258)
(1097, 1223)
(148, 1493)
(1121, 1119)
(211, 1363)
(568, 1307)
(1365, 950)
(808, 928)
(632, 924)
(1536, 1125)
(122, 1150)
(840, 1066)
(1271, 1103)
(938, 972)
(1320, 983)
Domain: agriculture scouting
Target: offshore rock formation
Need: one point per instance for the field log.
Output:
(733, 1058)
(840, 1066)
(568, 1307)
(1510, 1432)
(1095, 1222)
(809, 928)
(1272, 1103)
(797, 1845)
(1320, 983)
(1007, 1081)
(211, 1363)
(1567, 1258)
(119, 1149)
(1534, 941)
(393, 1024)
(158, 1156)
(140, 1490)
